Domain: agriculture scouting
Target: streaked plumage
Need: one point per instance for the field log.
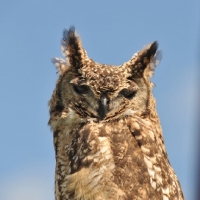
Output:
(107, 135)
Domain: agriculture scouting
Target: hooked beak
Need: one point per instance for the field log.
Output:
(103, 106)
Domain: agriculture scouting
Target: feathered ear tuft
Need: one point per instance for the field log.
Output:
(72, 49)
(144, 60)
(154, 63)
(61, 65)
(152, 49)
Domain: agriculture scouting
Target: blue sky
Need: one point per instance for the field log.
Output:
(111, 31)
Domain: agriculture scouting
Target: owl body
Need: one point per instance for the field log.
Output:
(107, 135)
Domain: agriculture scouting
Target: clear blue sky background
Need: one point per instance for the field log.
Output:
(111, 31)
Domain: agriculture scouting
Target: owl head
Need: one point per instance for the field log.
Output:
(100, 91)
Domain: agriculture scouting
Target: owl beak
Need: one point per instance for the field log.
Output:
(103, 106)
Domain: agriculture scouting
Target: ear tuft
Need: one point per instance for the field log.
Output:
(146, 58)
(152, 50)
(155, 62)
(72, 48)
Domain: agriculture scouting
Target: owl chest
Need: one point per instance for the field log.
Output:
(119, 156)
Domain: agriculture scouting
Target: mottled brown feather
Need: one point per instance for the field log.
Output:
(120, 156)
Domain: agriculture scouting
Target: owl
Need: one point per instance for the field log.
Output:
(107, 134)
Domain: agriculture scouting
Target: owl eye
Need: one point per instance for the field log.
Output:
(128, 92)
(81, 89)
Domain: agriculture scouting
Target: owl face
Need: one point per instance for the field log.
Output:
(100, 91)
